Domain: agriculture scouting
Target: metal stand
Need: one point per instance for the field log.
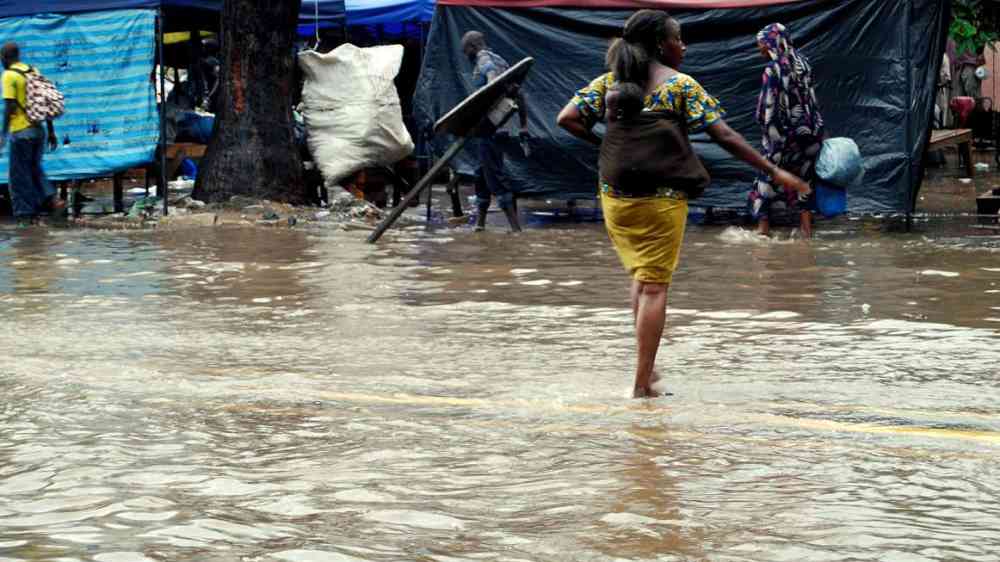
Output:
(414, 193)
(456, 201)
(428, 179)
(430, 201)
(464, 121)
(119, 192)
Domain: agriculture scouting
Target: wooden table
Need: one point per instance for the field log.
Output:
(176, 153)
(962, 138)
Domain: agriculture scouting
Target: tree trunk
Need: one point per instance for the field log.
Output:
(252, 151)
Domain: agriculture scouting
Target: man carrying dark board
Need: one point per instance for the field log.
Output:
(487, 66)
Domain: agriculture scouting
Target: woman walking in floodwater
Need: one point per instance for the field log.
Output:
(648, 171)
(791, 127)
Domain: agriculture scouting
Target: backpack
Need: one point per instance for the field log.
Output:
(43, 100)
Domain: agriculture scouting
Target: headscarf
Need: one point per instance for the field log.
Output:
(792, 76)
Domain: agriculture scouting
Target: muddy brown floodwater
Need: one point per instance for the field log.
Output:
(244, 395)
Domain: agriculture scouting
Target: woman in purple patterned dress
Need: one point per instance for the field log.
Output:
(792, 128)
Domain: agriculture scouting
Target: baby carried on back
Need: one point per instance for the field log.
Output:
(644, 151)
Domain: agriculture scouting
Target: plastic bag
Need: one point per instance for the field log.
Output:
(840, 163)
(351, 108)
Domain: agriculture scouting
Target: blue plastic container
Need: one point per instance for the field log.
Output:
(831, 200)
(189, 169)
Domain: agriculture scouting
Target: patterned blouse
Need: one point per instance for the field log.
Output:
(675, 94)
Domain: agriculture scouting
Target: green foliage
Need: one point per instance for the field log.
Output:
(970, 28)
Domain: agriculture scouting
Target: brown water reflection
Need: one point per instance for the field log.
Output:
(235, 394)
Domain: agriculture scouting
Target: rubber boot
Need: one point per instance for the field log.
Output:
(483, 209)
(511, 213)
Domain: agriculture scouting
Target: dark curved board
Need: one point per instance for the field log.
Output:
(466, 116)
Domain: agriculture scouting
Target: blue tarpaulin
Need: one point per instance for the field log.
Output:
(875, 62)
(101, 62)
(12, 8)
(331, 12)
(375, 12)
(322, 14)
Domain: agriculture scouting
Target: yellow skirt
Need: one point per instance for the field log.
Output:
(647, 233)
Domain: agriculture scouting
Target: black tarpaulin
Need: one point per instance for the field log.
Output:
(875, 64)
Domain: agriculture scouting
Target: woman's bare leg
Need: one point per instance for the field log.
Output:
(806, 224)
(651, 316)
(636, 289)
(764, 227)
(634, 294)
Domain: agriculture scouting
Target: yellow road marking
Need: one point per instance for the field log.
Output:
(653, 409)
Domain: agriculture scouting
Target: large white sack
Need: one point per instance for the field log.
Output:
(351, 109)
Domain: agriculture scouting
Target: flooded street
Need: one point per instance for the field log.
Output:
(239, 394)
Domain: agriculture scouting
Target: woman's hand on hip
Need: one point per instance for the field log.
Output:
(574, 123)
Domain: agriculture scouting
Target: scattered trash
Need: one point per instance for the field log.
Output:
(181, 184)
(242, 201)
(145, 208)
(965, 180)
(188, 203)
(982, 167)
(341, 199)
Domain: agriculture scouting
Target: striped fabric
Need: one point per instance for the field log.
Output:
(102, 63)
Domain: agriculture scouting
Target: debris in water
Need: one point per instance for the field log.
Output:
(930, 272)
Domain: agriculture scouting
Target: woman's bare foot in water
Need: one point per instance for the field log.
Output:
(649, 392)
(645, 392)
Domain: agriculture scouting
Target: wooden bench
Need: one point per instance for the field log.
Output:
(962, 138)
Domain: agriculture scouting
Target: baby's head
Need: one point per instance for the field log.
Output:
(625, 100)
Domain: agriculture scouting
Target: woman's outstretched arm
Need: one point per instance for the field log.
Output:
(735, 144)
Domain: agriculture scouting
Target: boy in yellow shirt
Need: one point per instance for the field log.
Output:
(30, 191)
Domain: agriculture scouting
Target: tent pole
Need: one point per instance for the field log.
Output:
(163, 112)
(912, 207)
